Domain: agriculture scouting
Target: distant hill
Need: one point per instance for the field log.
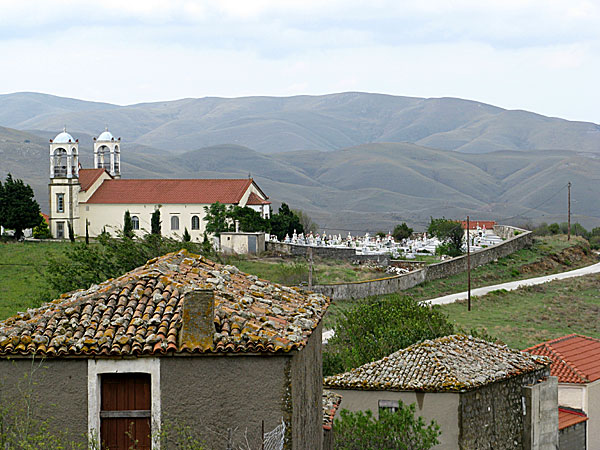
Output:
(367, 187)
(284, 124)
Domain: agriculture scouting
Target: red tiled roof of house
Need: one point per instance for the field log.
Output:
(46, 218)
(142, 313)
(331, 402)
(575, 358)
(87, 177)
(568, 417)
(254, 199)
(473, 224)
(165, 191)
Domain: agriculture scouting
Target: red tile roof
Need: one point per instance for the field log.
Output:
(254, 199)
(568, 417)
(46, 218)
(87, 177)
(164, 191)
(141, 313)
(575, 358)
(473, 224)
(331, 402)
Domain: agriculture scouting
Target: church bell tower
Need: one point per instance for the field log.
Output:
(107, 153)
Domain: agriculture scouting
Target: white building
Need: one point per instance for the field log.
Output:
(99, 197)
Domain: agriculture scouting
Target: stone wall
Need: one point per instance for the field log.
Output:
(491, 417)
(345, 254)
(388, 285)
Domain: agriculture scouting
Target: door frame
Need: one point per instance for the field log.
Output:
(97, 367)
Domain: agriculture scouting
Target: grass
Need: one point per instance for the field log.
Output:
(534, 314)
(21, 271)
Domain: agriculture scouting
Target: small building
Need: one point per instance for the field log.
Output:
(242, 243)
(576, 364)
(572, 429)
(181, 339)
(483, 395)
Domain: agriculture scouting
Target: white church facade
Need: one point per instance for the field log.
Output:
(98, 197)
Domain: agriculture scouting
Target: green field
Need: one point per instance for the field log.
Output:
(534, 314)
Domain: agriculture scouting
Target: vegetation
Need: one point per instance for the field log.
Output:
(155, 222)
(285, 222)
(401, 232)
(451, 234)
(377, 326)
(18, 208)
(128, 225)
(398, 430)
(577, 229)
(42, 231)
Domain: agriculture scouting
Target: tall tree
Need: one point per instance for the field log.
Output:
(249, 220)
(18, 208)
(285, 222)
(217, 218)
(128, 225)
(402, 231)
(450, 232)
(155, 222)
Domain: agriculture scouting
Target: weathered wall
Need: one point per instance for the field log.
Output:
(214, 393)
(573, 437)
(58, 391)
(346, 254)
(593, 412)
(441, 407)
(432, 272)
(491, 417)
(540, 415)
(307, 394)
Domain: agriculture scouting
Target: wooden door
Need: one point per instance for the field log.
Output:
(125, 412)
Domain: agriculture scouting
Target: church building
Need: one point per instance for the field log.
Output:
(99, 197)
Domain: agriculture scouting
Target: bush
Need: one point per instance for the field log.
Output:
(42, 231)
(398, 430)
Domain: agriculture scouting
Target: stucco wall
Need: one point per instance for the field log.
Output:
(593, 412)
(215, 393)
(441, 407)
(58, 391)
(307, 394)
(572, 395)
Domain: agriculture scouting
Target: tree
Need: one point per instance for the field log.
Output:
(155, 222)
(128, 225)
(18, 208)
(378, 326)
(450, 232)
(249, 219)
(87, 232)
(307, 223)
(42, 231)
(217, 218)
(186, 236)
(285, 222)
(402, 231)
(71, 231)
(398, 430)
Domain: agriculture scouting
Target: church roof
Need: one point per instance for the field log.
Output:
(87, 177)
(105, 136)
(165, 191)
(254, 199)
(63, 138)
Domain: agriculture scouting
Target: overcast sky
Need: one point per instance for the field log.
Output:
(538, 55)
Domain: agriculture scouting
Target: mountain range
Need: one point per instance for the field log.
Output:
(353, 161)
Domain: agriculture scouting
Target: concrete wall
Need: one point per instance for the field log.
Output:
(593, 412)
(345, 254)
(239, 243)
(573, 437)
(58, 390)
(441, 407)
(540, 417)
(307, 394)
(432, 272)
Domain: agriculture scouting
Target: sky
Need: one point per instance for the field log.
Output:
(538, 55)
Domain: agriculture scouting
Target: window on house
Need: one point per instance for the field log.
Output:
(195, 223)
(135, 222)
(389, 405)
(60, 203)
(60, 230)
(174, 223)
(125, 411)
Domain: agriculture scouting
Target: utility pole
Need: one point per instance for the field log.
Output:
(569, 218)
(468, 266)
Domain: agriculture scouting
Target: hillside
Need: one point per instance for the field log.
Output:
(368, 187)
(284, 124)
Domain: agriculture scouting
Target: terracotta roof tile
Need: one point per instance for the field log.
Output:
(568, 417)
(575, 358)
(141, 313)
(165, 191)
(451, 363)
(473, 224)
(254, 199)
(87, 177)
(331, 402)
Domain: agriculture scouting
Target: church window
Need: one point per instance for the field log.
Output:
(60, 203)
(195, 223)
(174, 223)
(135, 222)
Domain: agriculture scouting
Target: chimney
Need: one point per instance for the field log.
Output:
(198, 325)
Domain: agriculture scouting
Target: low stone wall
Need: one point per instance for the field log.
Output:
(345, 254)
(520, 239)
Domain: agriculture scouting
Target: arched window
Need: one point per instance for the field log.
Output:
(174, 223)
(135, 222)
(104, 158)
(195, 223)
(60, 162)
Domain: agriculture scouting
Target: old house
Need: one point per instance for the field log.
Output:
(98, 198)
(180, 339)
(576, 363)
(482, 395)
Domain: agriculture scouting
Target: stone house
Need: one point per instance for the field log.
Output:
(482, 395)
(98, 198)
(181, 339)
(576, 364)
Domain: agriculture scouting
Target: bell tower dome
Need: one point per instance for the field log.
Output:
(107, 153)
(64, 156)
